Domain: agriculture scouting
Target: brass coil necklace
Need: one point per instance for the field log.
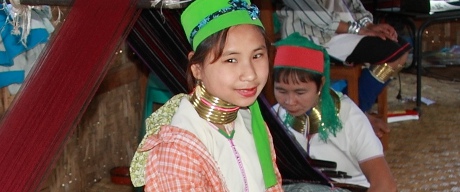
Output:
(299, 123)
(211, 108)
(313, 119)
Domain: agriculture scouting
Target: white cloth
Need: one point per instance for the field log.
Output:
(219, 146)
(355, 143)
(23, 62)
(342, 45)
(319, 19)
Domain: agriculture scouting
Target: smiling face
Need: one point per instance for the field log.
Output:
(240, 73)
(296, 96)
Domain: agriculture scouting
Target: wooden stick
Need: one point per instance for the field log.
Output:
(145, 4)
(44, 2)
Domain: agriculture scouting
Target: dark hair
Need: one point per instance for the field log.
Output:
(215, 44)
(294, 75)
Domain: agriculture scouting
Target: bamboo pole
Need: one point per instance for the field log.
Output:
(144, 4)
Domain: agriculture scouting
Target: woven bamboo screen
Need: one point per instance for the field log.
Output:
(107, 134)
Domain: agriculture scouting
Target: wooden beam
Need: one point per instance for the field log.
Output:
(144, 4)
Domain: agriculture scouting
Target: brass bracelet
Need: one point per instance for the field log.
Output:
(382, 72)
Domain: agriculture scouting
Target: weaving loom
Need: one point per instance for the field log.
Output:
(54, 97)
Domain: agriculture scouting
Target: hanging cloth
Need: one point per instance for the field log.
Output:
(24, 34)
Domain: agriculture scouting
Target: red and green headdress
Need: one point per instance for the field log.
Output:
(298, 52)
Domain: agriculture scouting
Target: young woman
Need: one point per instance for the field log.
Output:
(214, 139)
(328, 125)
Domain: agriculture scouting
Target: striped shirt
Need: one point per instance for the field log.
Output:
(319, 19)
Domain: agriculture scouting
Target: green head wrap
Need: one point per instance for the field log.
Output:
(203, 18)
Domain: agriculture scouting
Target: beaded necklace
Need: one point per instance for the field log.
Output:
(229, 135)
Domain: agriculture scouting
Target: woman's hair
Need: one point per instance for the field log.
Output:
(214, 44)
(296, 76)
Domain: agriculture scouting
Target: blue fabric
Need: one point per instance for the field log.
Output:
(14, 47)
(369, 89)
(339, 85)
(11, 77)
(12, 43)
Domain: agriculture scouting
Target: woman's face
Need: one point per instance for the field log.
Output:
(296, 98)
(241, 72)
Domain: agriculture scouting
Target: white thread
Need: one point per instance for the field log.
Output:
(15, 3)
(154, 3)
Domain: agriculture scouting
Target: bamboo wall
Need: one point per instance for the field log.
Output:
(107, 134)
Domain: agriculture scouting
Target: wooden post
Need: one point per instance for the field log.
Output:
(266, 16)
